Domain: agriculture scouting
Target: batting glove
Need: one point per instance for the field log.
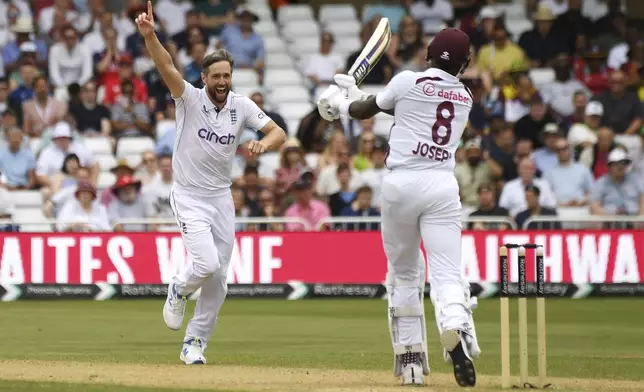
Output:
(329, 102)
(348, 83)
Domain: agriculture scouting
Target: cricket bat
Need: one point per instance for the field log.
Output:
(372, 52)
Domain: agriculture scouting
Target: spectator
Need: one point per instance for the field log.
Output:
(173, 15)
(6, 212)
(431, 14)
(121, 169)
(267, 209)
(305, 207)
(53, 205)
(472, 173)
(382, 71)
(241, 209)
(17, 162)
(127, 205)
(52, 157)
(363, 160)
(4, 95)
(484, 31)
(292, 165)
(114, 85)
(559, 94)
(570, 24)
(530, 126)
(192, 71)
(361, 207)
(157, 193)
(166, 132)
(418, 62)
(584, 134)
(195, 36)
(595, 157)
(499, 153)
(91, 118)
(166, 121)
(67, 176)
(69, 60)
(513, 194)
(246, 46)
(618, 192)
(23, 31)
(592, 70)
(9, 121)
(312, 131)
(83, 213)
(402, 47)
(571, 182)
(60, 9)
(501, 54)
(148, 170)
(107, 60)
(342, 199)
(488, 209)
(519, 97)
(251, 186)
(534, 209)
(42, 111)
(623, 110)
(337, 143)
(322, 66)
(24, 91)
(372, 177)
(546, 157)
(191, 20)
(129, 118)
(158, 93)
(258, 98)
(579, 103)
(214, 14)
(134, 43)
(542, 43)
(328, 182)
(107, 37)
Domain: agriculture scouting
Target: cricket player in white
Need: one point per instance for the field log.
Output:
(209, 124)
(420, 201)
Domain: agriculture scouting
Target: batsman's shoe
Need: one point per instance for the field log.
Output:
(174, 308)
(471, 341)
(412, 371)
(453, 342)
(192, 352)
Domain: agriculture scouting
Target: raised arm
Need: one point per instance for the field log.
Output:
(161, 57)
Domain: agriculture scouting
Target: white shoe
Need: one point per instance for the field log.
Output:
(192, 352)
(174, 308)
(412, 374)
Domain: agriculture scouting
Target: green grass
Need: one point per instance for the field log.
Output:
(591, 338)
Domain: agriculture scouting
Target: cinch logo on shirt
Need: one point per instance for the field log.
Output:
(210, 136)
(452, 96)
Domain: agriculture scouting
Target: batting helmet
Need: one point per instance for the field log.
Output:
(450, 50)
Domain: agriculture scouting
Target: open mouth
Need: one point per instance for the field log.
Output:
(220, 90)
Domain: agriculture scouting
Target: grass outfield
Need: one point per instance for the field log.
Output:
(310, 345)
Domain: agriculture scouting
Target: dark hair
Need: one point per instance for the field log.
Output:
(251, 169)
(164, 155)
(579, 92)
(127, 82)
(4, 79)
(9, 112)
(68, 158)
(39, 78)
(67, 27)
(486, 186)
(364, 188)
(216, 57)
(192, 12)
(533, 188)
(342, 167)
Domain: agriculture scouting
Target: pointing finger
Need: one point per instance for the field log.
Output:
(149, 10)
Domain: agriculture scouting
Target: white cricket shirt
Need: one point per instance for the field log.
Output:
(207, 139)
(431, 112)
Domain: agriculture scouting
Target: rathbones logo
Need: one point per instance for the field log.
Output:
(452, 96)
(362, 70)
(211, 136)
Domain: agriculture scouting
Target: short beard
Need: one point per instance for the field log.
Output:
(212, 91)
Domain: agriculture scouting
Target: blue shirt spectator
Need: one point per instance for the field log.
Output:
(165, 144)
(246, 46)
(618, 192)
(571, 182)
(17, 162)
(361, 207)
(11, 51)
(546, 157)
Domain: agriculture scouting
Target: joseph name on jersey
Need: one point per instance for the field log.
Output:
(207, 139)
(431, 110)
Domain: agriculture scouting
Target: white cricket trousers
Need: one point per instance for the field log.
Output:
(423, 205)
(207, 226)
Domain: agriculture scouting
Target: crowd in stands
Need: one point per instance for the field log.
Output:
(557, 122)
